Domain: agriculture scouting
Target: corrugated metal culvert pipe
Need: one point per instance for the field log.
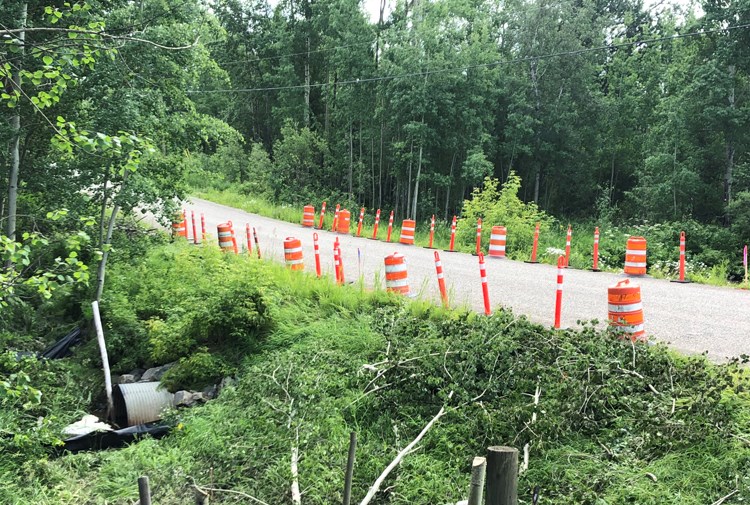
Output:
(140, 403)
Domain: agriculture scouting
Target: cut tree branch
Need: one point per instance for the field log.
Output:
(400, 456)
(104, 35)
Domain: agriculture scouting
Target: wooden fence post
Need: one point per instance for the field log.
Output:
(476, 488)
(502, 476)
(144, 491)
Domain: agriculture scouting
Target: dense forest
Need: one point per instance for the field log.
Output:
(602, 108)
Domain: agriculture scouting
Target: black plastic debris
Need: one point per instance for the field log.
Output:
(100, 440)
(58, 350)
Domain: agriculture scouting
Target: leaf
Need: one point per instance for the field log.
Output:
(47, 60)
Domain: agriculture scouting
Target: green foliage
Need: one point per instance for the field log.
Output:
(501, 207)
(339, 360)
(37, 397)
(196, 371)
(29, 270)
(182, 299)
(299, 161)
(259, 179)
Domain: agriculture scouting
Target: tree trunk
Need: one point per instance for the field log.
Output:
(100, 271)
(307, 84)
(372, 169)
(416, 185)
(674, 178)
(15, 125)
(380, 169)
(728, 174)
(351, 159)
(408, 182)
(536, 187)
(450, 183)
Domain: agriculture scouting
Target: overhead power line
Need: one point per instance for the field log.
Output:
(423, 73)
(301, 53)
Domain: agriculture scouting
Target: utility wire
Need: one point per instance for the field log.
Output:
(480, 65)
(254, 60)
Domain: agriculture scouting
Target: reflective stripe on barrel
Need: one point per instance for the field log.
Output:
(497, 241)
(344, 221)
(407, 232)
(308, 216)
(226, 234)
(396, 279)
(635, 256)
(293, 253)
(625, 309)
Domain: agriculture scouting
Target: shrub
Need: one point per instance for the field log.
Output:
(501, 207)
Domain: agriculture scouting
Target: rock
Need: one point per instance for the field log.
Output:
(198, 397)
(137, 373)
(126, 379)
(227, 382)
(156, 373)
(183, 398)
(210, 392)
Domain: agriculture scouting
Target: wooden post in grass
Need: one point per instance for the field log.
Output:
(350, 468)
(502, 476)
(476, 488)
(144, 491)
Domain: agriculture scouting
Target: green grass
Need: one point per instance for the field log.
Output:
(616, 423)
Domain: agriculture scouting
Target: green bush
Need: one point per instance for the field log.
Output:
(196, 371)
(501, 207)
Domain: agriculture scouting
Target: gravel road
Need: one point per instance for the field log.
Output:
(692, 318)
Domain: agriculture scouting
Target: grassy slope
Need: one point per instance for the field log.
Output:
(610, 413)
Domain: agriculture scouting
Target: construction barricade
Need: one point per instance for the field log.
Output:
(308, 216)
(635, 256)
(497, 242)
(407, 232)
(227, 241)
(396, 279)
(293, 253)
(626, 309)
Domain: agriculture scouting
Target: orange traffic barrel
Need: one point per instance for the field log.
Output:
(226, 236)
(635, 256)
(497, 242)
(395, 274)
(179, 226)
(344, 221)
(407, 232)
(293, 253)
(308, 216)
(626, 309)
